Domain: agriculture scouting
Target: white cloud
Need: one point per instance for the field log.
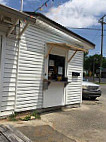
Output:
(3, 2)
(78, 13)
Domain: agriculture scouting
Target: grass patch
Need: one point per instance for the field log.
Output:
(12, 117)
(100, 83)
(36, 115)
(30, 116)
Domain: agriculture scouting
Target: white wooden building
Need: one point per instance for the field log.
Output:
(41, 62)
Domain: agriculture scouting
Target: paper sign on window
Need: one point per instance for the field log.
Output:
(60, 70)
(51, 63)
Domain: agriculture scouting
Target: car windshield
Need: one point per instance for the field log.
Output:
(84, 79)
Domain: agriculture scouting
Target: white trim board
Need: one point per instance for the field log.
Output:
(2, 66)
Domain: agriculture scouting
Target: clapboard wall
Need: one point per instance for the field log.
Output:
(31, 69)
(0, 68)
(9, 71)
(74, 89)
(22, 75)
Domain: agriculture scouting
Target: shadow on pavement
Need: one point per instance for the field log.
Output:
(44, 134)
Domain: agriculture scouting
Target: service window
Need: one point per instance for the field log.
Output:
(56, 68)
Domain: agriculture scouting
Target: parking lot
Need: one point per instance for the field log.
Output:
(84, 124)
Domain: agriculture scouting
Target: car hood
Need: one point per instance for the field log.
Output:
(85, 83)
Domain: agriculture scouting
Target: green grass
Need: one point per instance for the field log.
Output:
(12, 117)
(35, 114)
(28, 117)
(100, 83)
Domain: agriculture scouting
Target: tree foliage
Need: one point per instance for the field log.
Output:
(91, 62)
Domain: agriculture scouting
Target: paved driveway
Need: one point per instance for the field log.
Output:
(84, 124)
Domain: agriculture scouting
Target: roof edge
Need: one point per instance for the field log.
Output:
(60, 27)
(15, 12)
(47, 20)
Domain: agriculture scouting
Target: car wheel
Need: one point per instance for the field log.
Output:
(93, 98)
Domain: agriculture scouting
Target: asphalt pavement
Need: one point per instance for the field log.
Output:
(84, 124)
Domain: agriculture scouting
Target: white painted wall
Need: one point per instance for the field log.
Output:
(28, 85)
(31, 69)
(30, 72)
(0, 56)
(74, 88)
(9, 68)
(54, 96)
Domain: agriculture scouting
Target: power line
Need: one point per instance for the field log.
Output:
(87, 29)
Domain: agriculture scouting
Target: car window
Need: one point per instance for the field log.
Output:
(84, 79)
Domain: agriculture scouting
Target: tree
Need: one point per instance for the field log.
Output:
(92, 63)
(104, 62)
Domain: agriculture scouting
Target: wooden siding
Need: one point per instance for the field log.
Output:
(0, 57)
(74, 88)
(31, 69)
(30, 72)
(10, 50)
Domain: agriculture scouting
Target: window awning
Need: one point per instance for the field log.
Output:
(66, 46)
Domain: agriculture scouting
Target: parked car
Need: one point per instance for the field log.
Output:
(90, 90)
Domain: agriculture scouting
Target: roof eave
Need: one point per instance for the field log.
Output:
(18, 14)
(62, 28)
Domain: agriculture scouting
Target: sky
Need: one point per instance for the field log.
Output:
(71, 14)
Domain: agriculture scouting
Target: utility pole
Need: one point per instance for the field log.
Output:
(21, 6)
(101, 57)
(93, 69)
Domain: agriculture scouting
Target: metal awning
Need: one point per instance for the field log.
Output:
(64, 46)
